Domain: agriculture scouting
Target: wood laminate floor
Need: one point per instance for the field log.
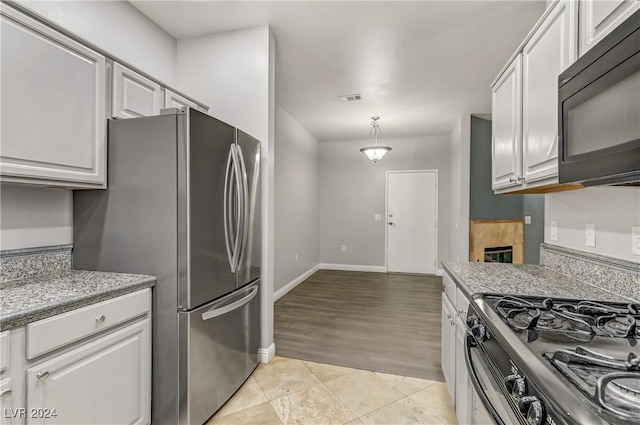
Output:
(374, 321)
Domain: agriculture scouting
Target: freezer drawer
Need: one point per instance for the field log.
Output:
(218, 351)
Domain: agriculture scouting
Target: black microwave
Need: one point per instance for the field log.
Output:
(599, 112)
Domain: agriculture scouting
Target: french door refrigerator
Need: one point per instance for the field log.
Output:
(183, 204)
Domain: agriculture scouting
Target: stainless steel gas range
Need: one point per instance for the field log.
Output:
(535, 360)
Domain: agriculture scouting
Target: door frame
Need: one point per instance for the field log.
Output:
(386, 217)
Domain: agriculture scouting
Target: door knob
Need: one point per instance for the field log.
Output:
(391, 223)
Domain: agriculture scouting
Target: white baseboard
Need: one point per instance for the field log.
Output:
(295, 282)
(266, 354)
(353, 268)
(439, 272)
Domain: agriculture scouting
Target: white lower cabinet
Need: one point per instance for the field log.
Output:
(83, 376)
(454, 366)
(103, 382)
(448, 347)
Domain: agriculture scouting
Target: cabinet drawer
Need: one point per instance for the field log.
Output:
(4, 351)
(449, 288)
(55, 332)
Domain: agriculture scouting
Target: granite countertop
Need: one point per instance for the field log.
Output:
(524, 279)
(34, 298)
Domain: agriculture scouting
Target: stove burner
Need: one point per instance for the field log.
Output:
(577, 320)
(549, 320)
(614, 384)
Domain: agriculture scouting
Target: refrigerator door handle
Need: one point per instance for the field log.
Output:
(227, 212)
(245, 206)
(220, 310)
(239, 202)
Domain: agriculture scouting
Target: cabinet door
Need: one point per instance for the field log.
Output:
(506, 138)
(106, 381)
(133, 95)
(463, 384)
(9, 412)
(599, 17)
(448, 347)
(53, 106)
(174, 100)
(549, 52)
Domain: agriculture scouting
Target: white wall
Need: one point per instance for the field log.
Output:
(234, 73)
(613, 210)
(296, 200)
(352, 190)
(118, 28)
(460, 139)
(36, 217)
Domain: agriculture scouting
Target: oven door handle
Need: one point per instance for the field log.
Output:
(469, 344)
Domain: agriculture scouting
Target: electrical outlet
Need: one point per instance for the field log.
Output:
(635, 240)
(553, 231)
(590, 235)
(343, 248)
(527, 219)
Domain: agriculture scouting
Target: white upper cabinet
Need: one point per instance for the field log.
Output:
(53, 106)
(134, 95)
(506, 142)
(551, 49)
(175, 100)
(599, 17)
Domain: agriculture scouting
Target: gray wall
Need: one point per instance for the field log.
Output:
(484, 205)
(352, 190)
(296, 199)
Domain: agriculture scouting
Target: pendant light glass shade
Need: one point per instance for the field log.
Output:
(376, 151)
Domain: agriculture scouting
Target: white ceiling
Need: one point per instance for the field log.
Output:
(418, 64)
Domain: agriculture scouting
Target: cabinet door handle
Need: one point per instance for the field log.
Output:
(5, 393)
(512, 179)
(42, 375)
(100, 319)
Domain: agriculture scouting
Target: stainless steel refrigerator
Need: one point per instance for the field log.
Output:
(183, 204)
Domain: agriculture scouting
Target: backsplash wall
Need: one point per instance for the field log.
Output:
(33, 216)
(613, 211)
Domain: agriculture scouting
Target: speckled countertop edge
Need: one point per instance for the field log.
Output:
(129, 283)
(512, 273)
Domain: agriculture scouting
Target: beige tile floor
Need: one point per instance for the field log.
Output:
(289, 391)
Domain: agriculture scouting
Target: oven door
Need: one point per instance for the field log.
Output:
(489, 404)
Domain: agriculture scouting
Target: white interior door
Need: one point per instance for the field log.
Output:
(412, 205)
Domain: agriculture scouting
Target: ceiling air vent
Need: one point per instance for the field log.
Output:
(350, 97)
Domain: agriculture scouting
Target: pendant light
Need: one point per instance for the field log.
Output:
(375, 152)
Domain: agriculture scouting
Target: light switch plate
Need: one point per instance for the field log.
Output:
(553, 231)
(635, 240)
(343, 248)
(377, 217)
(590, 235)
(527, 219)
